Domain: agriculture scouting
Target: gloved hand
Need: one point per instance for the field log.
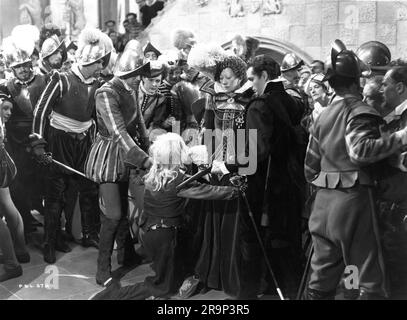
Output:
(219, 167)
(37, 145)
(136, 158)
(169, 123)
(239, 182)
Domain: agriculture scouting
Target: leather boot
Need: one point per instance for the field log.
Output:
(51, 220)
(11, 273)
(88, 202)
(364, 295)
(312, 294)
(126, 254)
(90, 241)
(107, 235)
(61, 244)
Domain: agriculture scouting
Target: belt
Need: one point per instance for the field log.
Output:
(162, 226)
(73, 135)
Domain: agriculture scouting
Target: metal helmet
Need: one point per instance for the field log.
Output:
(290, 62)
(375, 54)
(131, 65)
(345, 63)
(51, 46)
(93, 47)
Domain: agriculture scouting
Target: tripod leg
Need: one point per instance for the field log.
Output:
(301, 289)
(280, 294)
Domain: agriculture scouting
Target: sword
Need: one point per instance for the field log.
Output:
(69, 168)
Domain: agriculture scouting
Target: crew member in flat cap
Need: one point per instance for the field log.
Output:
(69, 104)
(151, 53)
(25, 88)
(121, 131)
(346, 144)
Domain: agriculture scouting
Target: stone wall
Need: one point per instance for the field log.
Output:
(309, 24)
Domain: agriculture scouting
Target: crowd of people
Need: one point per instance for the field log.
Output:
(112, 121)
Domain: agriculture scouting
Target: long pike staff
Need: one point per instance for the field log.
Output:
(238, 182)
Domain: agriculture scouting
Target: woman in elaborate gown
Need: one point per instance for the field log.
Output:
(228, 252)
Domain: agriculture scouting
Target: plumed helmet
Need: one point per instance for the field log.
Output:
(150, 48)
(184, 39)
(290, 62)
(19, 47)
(51, 46)
(92, 48)
(345, 63)
(375, 54)
(206, 58)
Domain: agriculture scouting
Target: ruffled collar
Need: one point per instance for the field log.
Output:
(25, 83)
(219, 88)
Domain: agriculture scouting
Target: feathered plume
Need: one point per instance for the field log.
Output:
(9, 49)
(89, 36)
(109, 47)
(169, 58)
(24, 37)
(134, 45)
(183, 38)
(206, 56)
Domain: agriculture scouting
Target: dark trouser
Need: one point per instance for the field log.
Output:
(344, 233)
(24, 187)
(165, 248)
(71, 150)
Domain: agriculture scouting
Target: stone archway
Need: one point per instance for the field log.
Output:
(277, 49)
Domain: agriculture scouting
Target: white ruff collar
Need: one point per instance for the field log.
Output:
(219, 88)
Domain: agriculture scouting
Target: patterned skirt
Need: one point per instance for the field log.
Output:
(105, 162)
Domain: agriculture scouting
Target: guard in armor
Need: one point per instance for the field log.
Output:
(53, 52)
(68, 101)
(345, 145)
(25, 89)
(121, 130)
(290, 72)
(53, 55)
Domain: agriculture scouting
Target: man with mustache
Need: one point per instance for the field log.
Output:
(25, 88)
(69, 104)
